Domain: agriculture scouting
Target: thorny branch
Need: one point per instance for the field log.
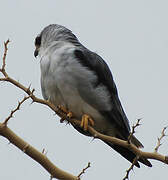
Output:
(130, 168)
(155, 150)
(35, 154)
(129, 141)
(127, 144)
(20, 143)
(160, 138)
(83, 170)
(4, 57)
(133, 130)
(16, 109)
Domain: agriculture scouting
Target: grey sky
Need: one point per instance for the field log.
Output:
(132, 36)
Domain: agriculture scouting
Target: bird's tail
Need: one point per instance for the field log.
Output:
(129, 155)
(136, 142)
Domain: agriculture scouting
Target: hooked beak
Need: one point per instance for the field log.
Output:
(36, 53)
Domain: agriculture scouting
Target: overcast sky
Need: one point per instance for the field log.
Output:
(132, 37)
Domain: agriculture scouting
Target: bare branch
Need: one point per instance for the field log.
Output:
(20, 143)
(131, 147)
(94, 133)
(159, 139)
(2, 79)
(33, 97)
(130, 168)
(4, 58)
(43, 160)
(133, 130)
(83, 170)
(35, 154)
(16, 109)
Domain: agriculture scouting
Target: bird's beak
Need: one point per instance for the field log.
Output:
(36, 52)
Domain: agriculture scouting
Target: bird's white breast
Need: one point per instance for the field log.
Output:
(59, 72)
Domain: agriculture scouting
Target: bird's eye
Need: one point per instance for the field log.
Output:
(38, 41)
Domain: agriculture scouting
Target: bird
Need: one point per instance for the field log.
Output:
(80, 83)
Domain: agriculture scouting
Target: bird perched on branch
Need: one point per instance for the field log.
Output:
(81, 84)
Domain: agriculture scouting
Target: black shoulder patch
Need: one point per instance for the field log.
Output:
(96, 64)
(104, 77)
(84, 61)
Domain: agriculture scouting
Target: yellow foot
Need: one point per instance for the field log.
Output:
(86, 120)
(69, 114)
(65, 111)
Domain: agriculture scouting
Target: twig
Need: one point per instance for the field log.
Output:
(4, 58)
(159, 139)
(131, 147)
(130, 168)
(6, 132)
(16, 109)
(20, 143)
(83, 171)
(35, 154)
(133, 130)
(33, 97)
(92, 131)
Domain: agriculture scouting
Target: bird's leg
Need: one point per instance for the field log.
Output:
(65, 111)
(86, 120)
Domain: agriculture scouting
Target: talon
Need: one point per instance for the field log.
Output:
(64, 110)
(86, 120)
(69, 114)
(62, 120)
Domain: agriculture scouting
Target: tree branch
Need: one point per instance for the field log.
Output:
(35, 154)
(4, 58)
(20, 143)
(131, 168)
(132, 147)
(41, 158)
(159, 139)
(133, 130)
(83, 170)
(16, 109)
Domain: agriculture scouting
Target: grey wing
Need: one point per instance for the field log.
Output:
(105, 85)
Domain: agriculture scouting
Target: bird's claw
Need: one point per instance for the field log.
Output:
(62, 108)
(86, 120)
(69, 115)
(65, 111)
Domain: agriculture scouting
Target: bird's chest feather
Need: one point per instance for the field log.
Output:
(59, 85)
(60, 79)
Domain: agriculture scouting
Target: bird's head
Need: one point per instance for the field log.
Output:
(53, 33)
